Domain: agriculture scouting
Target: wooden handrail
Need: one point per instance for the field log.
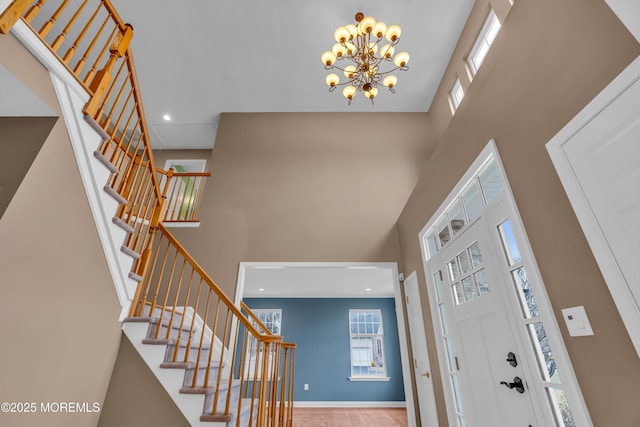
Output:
(216, 289)
(143, 124)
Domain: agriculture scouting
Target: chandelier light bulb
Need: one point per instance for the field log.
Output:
(360, 55)
(393, 33)
(367, 25)
(380, 30)
(387, 51)
(350, 71)
(401, 59)
(332, 79)
(338, 50)
(328, 58)
(341, 34)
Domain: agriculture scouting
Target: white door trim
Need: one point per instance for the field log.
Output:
(428, 412)
(605, 257)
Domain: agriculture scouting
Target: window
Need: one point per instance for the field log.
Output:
(367, 345)
(479, 192)
(272, 320)
(456, 95)
(483, 42)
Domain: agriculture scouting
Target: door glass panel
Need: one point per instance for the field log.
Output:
(458, 293)
(443, 320)
(523, 289)
(452, 362)
(472, 201)
(469, 288)
(456, 217)
(432, 244)
(491, 182)
(443, 231)
(509, 243)
(559, 403)
(463, 262)
(454, 271)
(543, 352)
(481, 280)
(476, 256)
(438, 282)
(456, 389)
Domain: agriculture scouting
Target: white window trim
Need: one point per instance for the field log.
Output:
(383, 377)
(479, 41)
(455, 102)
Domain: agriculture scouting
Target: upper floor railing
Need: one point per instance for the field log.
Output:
(91, 40)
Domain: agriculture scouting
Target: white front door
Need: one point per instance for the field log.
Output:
(420, 353)
(501, 354)
(492, 391)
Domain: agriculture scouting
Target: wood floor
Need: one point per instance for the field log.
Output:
(349, 417)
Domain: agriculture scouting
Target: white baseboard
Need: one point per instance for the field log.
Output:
(308, 404)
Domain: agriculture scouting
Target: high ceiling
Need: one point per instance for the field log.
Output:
(198, 59)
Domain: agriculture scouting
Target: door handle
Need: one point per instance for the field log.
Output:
(426, 374)
(516, 384)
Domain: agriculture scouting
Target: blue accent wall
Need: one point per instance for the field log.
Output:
(320, 328)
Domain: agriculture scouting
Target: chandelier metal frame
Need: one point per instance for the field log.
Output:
(359, 45)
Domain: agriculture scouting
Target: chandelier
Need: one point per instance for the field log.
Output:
(358, 45)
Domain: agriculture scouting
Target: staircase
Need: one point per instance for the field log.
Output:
(217, 361)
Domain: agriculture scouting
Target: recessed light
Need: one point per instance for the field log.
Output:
(368, 289)
(167, 117)
(261, 289)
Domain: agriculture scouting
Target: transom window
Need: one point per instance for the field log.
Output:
(466, 207)
(456, 95)
(366, 334)
(484, 41)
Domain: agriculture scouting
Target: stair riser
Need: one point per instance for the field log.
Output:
(213, 377)
(191, 357)
(173, 334)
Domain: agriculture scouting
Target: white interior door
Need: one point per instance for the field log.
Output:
(597, 156)
(420, 353)
(489, 389)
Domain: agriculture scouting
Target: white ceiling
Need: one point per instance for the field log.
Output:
(318, 280)
(196, 59)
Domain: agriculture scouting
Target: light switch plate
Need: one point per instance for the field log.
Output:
(577, 321)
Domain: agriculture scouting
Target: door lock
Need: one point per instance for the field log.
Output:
(511, 358)
(516, 384)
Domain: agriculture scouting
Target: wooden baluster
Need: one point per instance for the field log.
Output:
(83, 60)
(60, 39)
(92, 72)
(49, 24)
(11, 14)
(33, 12)
(72, 50)
(102, 78)
(186, 304)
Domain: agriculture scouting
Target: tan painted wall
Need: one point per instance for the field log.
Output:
(305, 187)
(20, 141)
(135, 397)
(549, 60)
(59, 324)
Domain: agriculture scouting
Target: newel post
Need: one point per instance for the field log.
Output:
(12, 13)
(102, 79)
